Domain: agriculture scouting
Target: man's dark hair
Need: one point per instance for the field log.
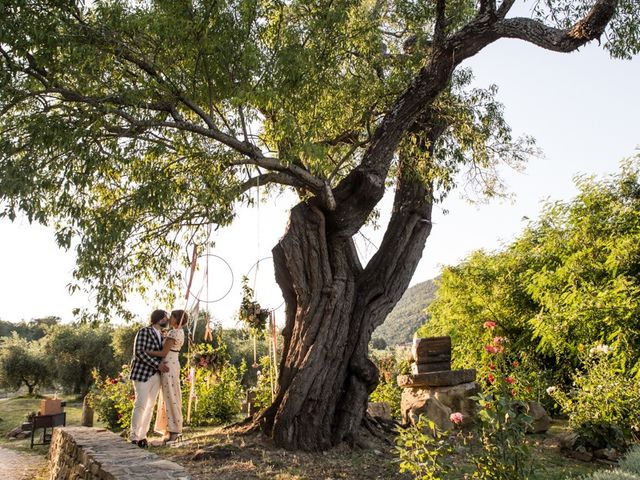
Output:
(157, 315)
(181, 316)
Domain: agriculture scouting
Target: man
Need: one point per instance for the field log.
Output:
(145, 373)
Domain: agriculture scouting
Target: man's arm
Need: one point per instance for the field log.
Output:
(142, 343)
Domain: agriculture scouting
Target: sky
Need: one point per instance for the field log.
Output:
(582, 108)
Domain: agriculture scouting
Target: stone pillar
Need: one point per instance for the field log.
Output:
(433, 389)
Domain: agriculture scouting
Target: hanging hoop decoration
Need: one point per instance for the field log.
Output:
(197, 295)
(257, 266)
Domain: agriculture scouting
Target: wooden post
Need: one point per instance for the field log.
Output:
(87, 413)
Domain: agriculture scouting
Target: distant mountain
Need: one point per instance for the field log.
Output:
(408, 315)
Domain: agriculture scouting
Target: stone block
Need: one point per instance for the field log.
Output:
(431, 349)
(417, 368)
(437, 379)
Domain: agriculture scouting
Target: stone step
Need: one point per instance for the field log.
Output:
(437, 379)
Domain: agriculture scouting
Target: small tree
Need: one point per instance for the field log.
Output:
(75, 350)
(23, 362)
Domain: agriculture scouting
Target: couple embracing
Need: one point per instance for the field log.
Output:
(155, 369)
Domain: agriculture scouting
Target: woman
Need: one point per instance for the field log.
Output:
(169, 415)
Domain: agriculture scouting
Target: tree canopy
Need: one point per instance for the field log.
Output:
(129, 125)
(569, 281)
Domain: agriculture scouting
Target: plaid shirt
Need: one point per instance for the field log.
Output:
(143, 365)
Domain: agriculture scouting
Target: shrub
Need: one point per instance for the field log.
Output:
(113, 398)
(628, 468)
(603, 405)
(262, 389)
(218, 396)
(502, 419)
(424, 450)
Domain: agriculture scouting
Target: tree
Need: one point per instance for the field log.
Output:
(569, 281)
(132, 126)
(23, 362)
(74, 351)
(34, 329)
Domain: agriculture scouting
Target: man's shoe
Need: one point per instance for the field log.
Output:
(135, 442)
(143, 443)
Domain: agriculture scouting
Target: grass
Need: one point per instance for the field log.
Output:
(231, 456)
(13, 412)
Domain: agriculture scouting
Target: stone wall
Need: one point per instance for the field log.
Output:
(97, 454)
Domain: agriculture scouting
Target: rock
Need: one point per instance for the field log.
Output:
(434, 410)
(15, 433)
(541, 421)
(581, 454)
(568, 440)
(379, 409)
(419, 401)
(610, 454)
(437, 379)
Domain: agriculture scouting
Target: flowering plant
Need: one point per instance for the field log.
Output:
(502, 419)
(112, 399)
(250, 311)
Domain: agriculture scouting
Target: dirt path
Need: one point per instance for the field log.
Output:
(19, 466)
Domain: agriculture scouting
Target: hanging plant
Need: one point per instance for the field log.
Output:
(213, 356)
(251, 314)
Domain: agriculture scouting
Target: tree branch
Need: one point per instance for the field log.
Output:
(591, 27)
(271, 177)
(505, 7)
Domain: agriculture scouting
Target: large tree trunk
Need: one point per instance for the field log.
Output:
(333, 305)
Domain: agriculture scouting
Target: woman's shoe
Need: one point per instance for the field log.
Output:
(173, 437)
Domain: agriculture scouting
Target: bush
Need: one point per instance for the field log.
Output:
(424, 450)
(218, 396)
(262, 389)
(388, 391)
(628, 468)
(603, 405)
(502, 419)
(113, 398)
(631, 461)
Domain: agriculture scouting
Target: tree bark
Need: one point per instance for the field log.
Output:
(333, 305)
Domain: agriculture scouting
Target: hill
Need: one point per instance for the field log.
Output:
(408, 315)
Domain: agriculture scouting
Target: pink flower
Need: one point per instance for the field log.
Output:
(499, 349)
(492, 366)
(510, 380)
(491, 378)
(490, 325)
(498, 340)
(456, 417)
(490, 349)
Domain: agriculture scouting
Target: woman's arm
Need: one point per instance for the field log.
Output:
(168, 345)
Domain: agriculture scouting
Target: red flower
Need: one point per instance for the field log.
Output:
(114, 381)
(491, 378)
(510, 380)
(515, 363)
(490, 325)
(492, 366)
